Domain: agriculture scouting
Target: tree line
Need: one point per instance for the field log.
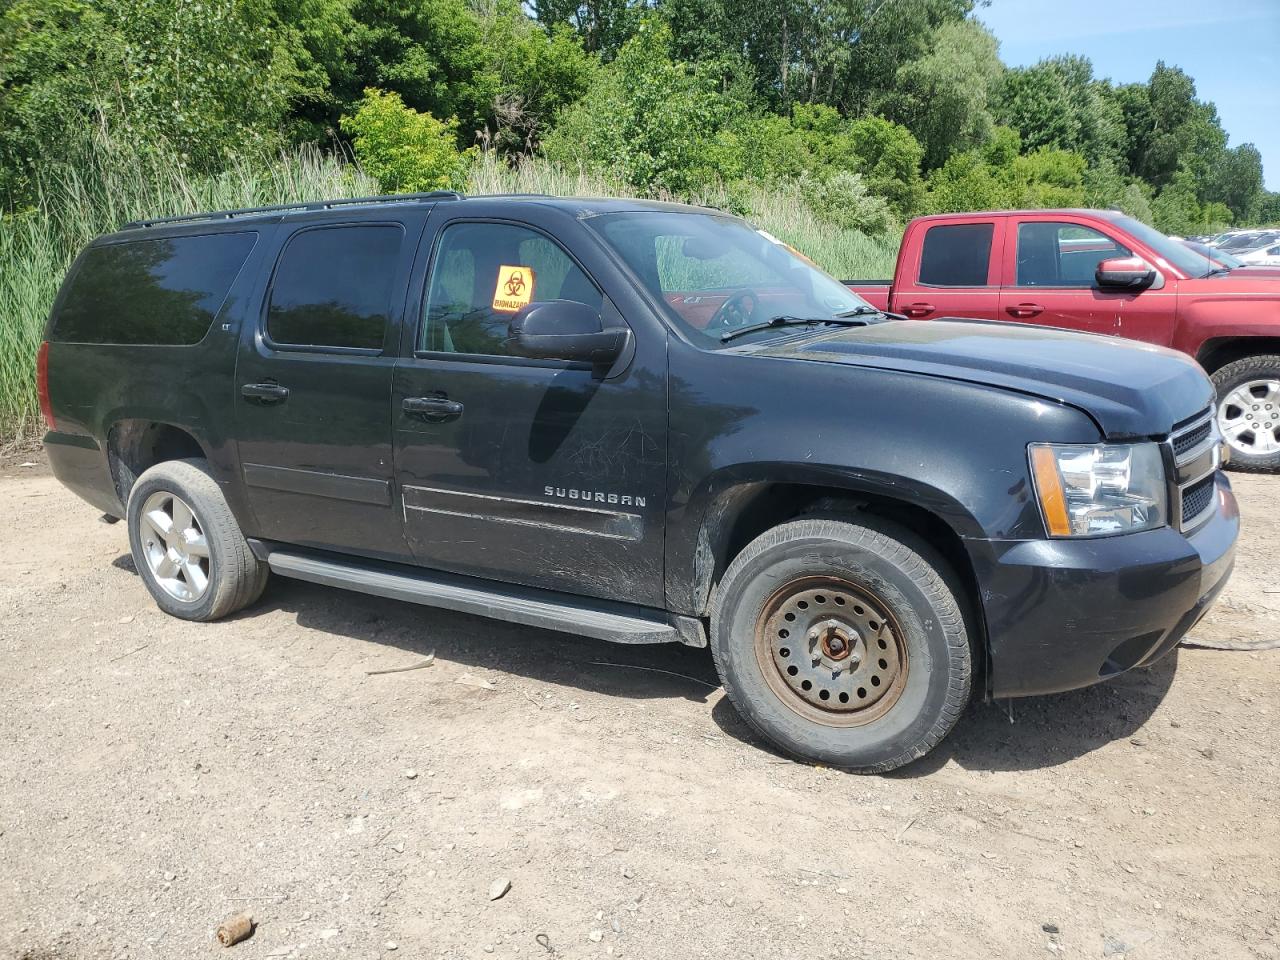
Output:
(871, 110)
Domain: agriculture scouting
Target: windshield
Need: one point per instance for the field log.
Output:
(1174, 252)
(716, 274)
(1219, 257)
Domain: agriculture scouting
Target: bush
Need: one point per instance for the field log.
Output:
(404, 150)
(842, 199)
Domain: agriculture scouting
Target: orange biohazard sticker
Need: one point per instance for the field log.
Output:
(514, 288)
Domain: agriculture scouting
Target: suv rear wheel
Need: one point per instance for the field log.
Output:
(842, 642)
(1249, 411)
(187, 546)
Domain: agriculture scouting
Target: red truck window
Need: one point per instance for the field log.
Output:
(1056, 254)
(956, 255)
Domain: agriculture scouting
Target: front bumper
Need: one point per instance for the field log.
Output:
(1062, 614)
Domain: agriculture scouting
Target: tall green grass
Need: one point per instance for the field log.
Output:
(110, 188)
(98, 195)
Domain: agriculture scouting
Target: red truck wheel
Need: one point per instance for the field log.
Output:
(1249, 411)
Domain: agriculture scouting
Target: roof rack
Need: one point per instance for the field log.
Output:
(292, 207)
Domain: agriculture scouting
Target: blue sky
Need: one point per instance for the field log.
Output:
(1230, 47)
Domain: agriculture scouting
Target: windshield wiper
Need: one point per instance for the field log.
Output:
(784, 320)
(1216, 272)
(866, 310)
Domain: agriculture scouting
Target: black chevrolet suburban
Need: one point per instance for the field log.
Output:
(640, 422)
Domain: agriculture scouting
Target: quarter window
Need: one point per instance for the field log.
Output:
(333, 287)
(165, 291)
(957, 255)
(485, 272)
(1062, 254)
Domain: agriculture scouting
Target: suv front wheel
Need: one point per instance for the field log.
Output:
(187, 546)
(842, 642)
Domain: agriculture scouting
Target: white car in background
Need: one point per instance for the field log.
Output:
(1264, 256)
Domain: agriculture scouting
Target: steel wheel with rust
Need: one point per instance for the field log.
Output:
(842, 642)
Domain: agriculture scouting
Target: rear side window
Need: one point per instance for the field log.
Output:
(956, 255)
(333, 287)
(165, 291)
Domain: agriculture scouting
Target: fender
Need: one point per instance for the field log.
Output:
(1206, 317)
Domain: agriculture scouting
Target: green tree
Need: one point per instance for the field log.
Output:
(943, 97)
(1235, 181)
(406, 151)
(660, 124)
(889, 158)
(204, 82)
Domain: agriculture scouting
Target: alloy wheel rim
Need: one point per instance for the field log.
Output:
(832, 651)
(1249, 418)
(175, 547)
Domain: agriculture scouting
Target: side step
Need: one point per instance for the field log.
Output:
(619, 623)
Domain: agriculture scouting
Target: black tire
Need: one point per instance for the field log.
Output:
(235, 577)
(882, 564)
(1232, 377)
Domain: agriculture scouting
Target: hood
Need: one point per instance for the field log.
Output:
(1130, 389)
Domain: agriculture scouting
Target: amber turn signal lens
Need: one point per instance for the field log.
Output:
(1053, 500)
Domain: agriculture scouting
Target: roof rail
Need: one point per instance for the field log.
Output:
(291, 207)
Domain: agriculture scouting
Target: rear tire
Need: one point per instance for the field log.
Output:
(1248, 412)
(842, 642)
(187, 546)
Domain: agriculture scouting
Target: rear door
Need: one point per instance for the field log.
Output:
(1049, 275)
(952, 271)
(313, 385)
(526, 470)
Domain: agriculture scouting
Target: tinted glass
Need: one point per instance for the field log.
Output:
(333, 287)
(162, 291)
(957, 255)
(717, 273)
(483, 274)
(1062, 254)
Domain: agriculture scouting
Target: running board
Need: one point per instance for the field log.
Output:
(619, 623)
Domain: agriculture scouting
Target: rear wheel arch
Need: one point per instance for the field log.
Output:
(136, 445)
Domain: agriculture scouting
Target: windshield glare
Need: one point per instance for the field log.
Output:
(1174, 252)
(715, 273)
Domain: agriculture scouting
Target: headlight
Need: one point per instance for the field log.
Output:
(1088, 490)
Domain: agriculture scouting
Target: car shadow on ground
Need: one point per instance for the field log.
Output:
(651, 671)
(1025, 734)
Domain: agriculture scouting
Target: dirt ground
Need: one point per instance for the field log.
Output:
(157, 776)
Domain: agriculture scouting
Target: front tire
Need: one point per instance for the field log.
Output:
(1248, 412)
(187, 546)
(842, 642)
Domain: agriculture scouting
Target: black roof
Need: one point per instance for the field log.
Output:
(579, 206)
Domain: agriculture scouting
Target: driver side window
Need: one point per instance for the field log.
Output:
(482, 274)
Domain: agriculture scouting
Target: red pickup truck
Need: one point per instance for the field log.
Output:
(1103, 272)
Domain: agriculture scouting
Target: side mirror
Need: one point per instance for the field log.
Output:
(1125, 273)
(565, 330)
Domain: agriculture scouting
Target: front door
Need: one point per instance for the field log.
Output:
(313, 388)
(1050, 277)
(523, 470)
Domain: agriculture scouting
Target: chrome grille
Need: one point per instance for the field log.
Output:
(1194, 448)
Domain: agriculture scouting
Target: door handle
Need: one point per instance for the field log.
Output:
(432, 409)
(1024, 310)
(918, 309)
(264, 393)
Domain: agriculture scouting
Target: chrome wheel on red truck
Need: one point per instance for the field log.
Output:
(1248, 411)
(842, 642)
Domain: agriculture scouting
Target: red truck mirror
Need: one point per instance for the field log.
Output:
(1125, 273)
